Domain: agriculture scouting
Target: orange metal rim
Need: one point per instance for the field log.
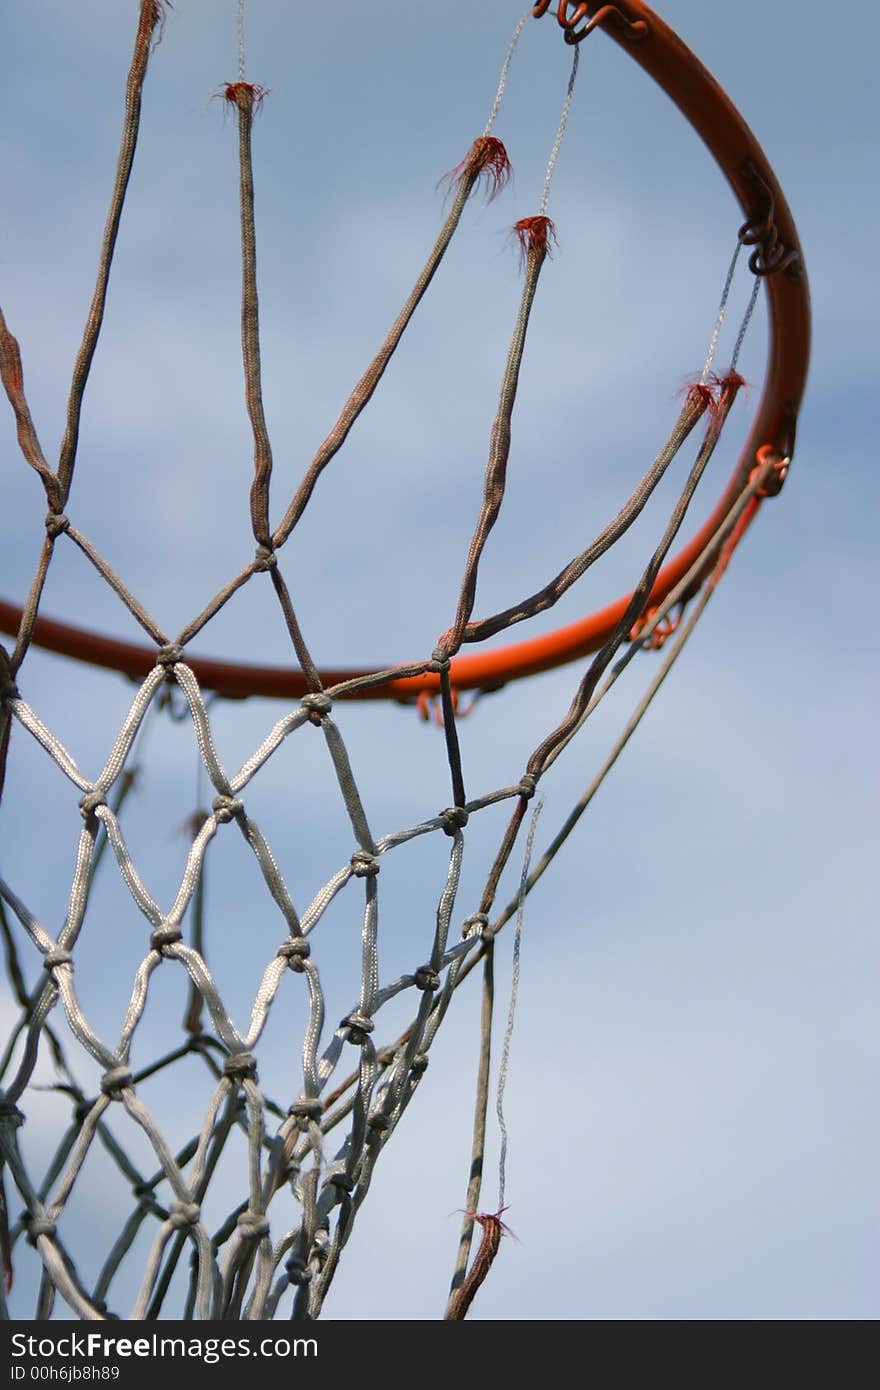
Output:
(662, 54)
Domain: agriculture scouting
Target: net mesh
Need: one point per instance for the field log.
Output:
(319, 1143)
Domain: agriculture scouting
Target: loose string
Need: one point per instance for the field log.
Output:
(239, 36)
(511, 1012)
(743, 328)
(563, 121)
(719, 319)
(505, 69)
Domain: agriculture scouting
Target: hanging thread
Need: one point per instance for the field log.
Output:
(563, 121)
(239, 35)
(719, 320)
(511, 1013)
(505, 69)
(743, 328)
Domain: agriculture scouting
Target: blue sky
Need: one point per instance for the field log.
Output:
(692, 1070)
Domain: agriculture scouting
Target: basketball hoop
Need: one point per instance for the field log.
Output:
(768, 228)
(247, 1267)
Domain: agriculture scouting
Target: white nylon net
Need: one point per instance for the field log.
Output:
(303, 1156)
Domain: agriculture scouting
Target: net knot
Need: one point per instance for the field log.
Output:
(527, 785)
(475, 925)
(184, 1214)
(425, 978)
(318, 705)
(453, 818)
(89, 803)
(170, 654)
(253, 1225)
(342, 1181)
(419, 1064)
(38, 1225)
(56, 955)
(56, 524)
(380, 1122)
(306, 1109)
(439, 661)
(359, 1027)
(264, 558)
(225, 807)
(115, 1080)
(297, 1271)
(165, 936)
(295, 951)
(241, 1066)
(364, 864)
(8, 691)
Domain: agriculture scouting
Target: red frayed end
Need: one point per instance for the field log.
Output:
(491, 1223)
(535, 234)
(486, 159)
(716, 391)
(493, 1230)
(732, 381)
(728, 386)
(152, 20)
(698, 393)
(247, 96)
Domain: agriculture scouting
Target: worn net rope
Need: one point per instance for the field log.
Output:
(348, 1085)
